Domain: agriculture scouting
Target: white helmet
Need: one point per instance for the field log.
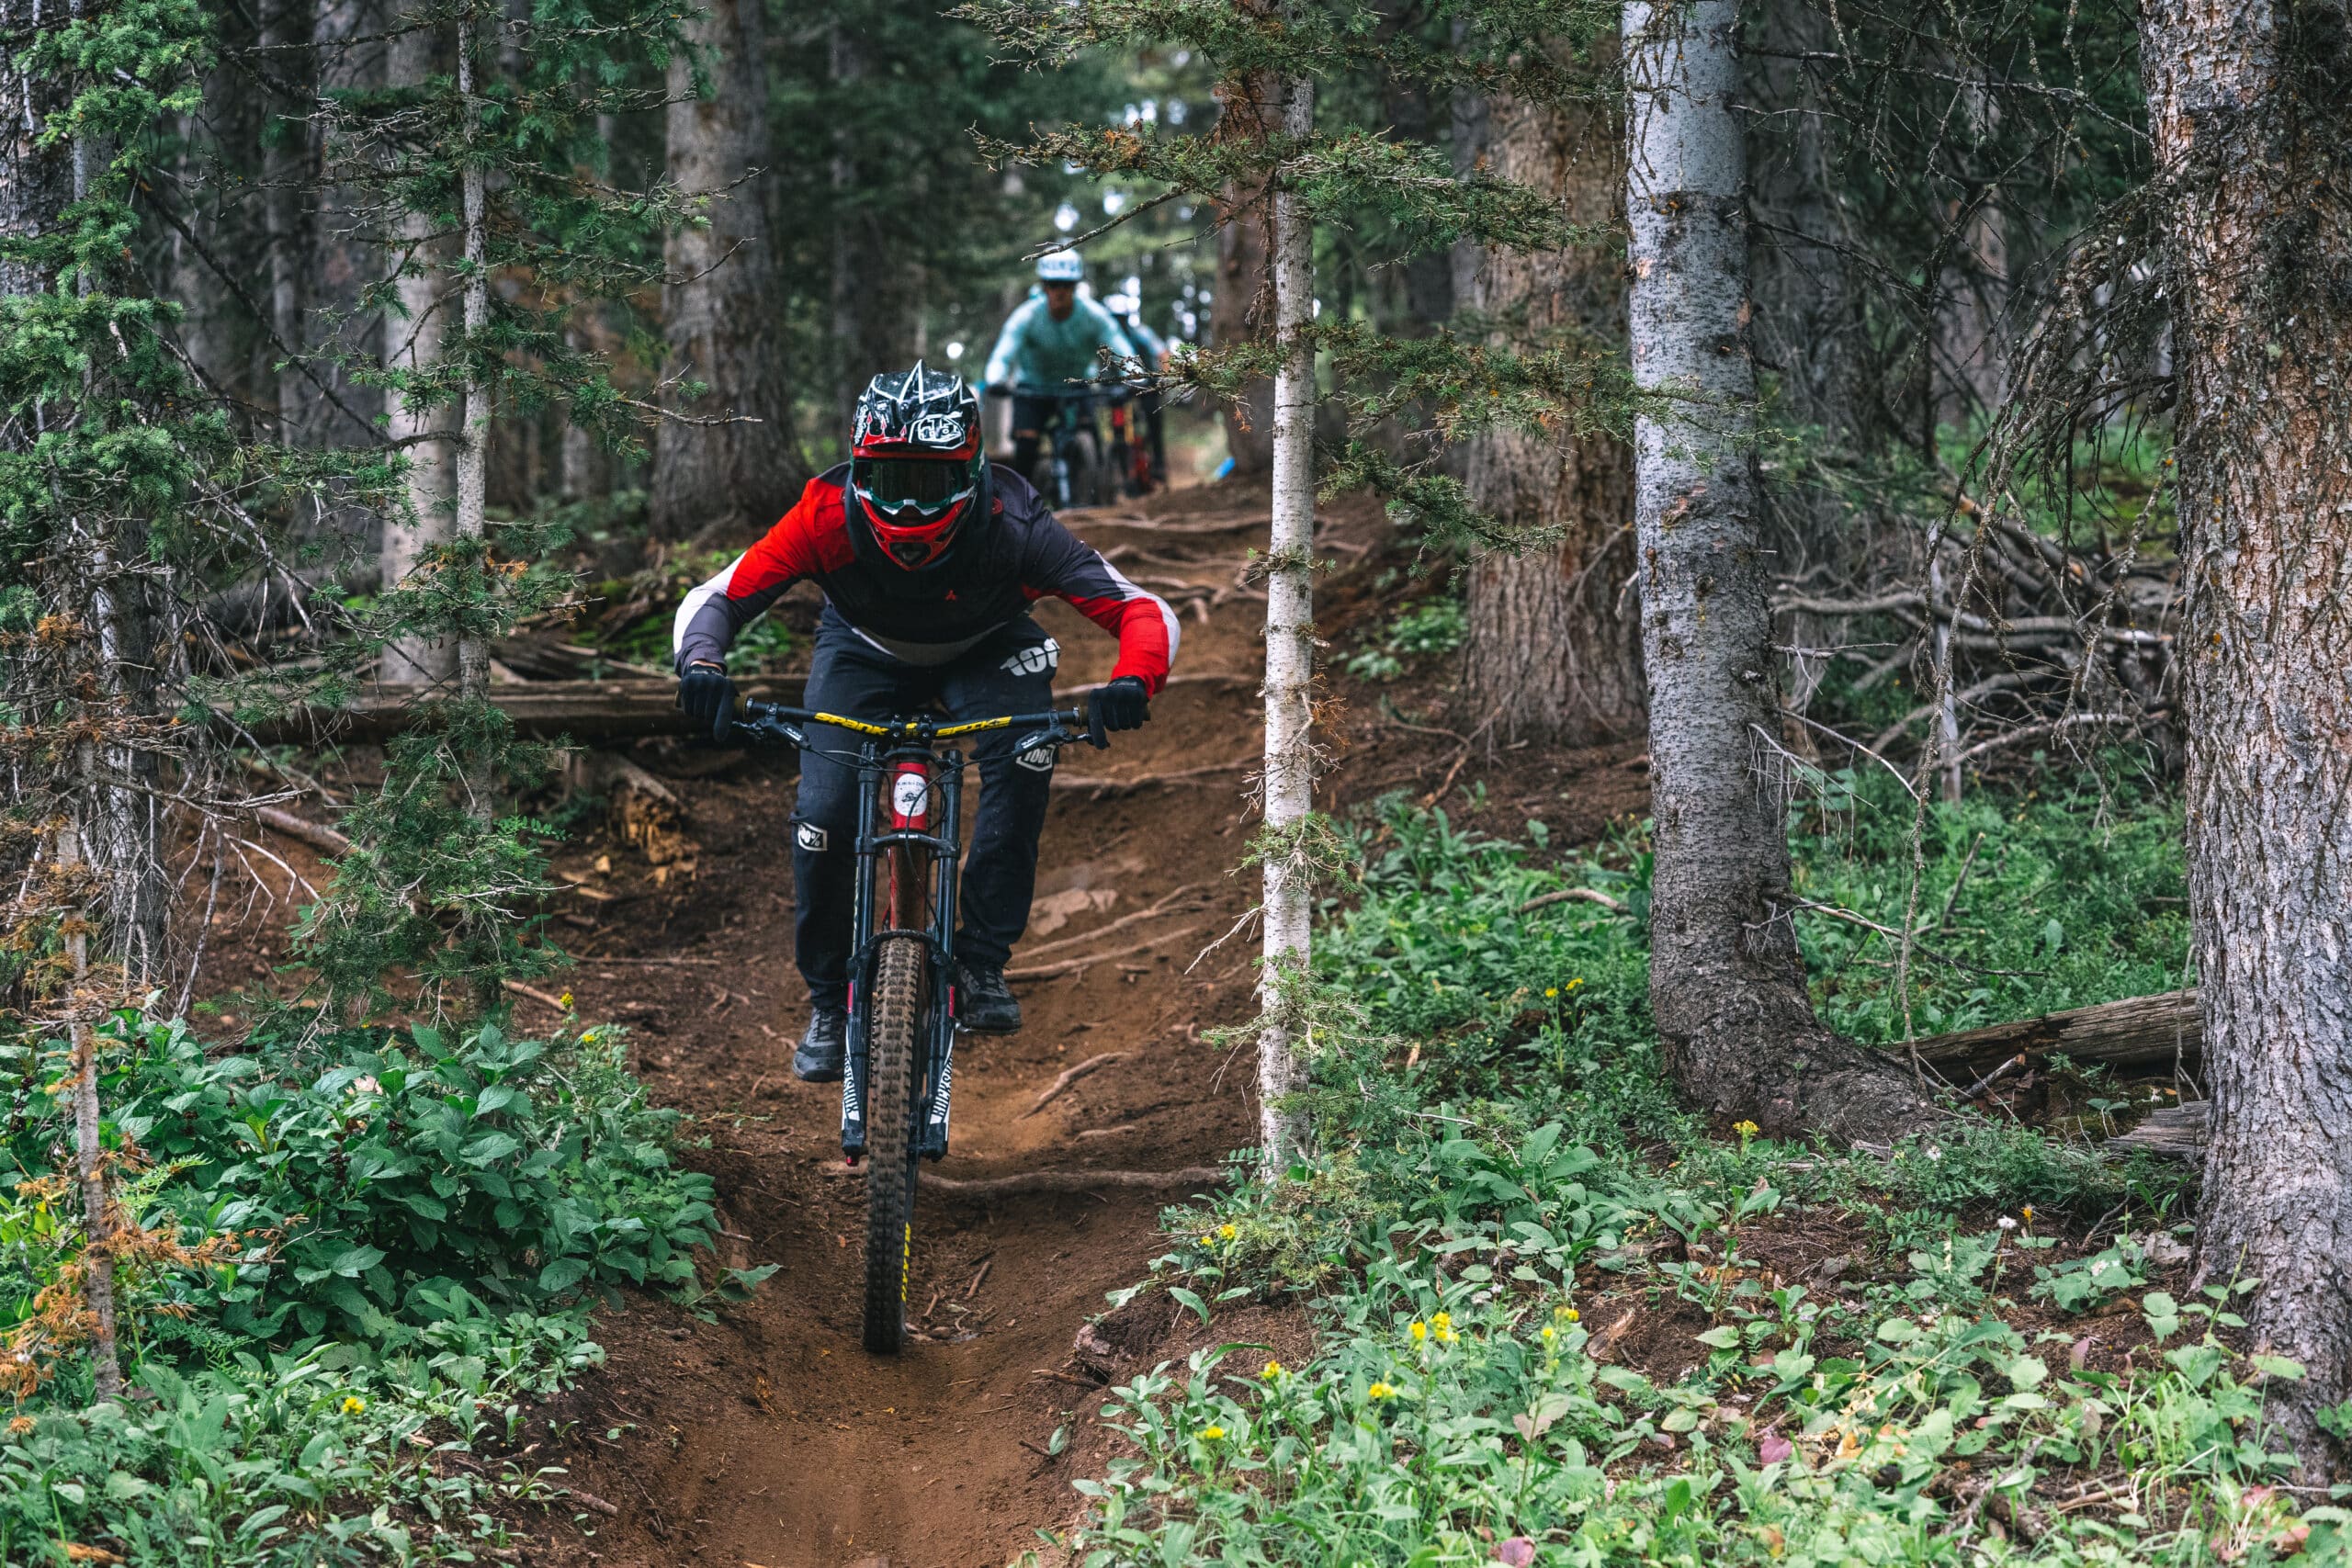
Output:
(1060, 266)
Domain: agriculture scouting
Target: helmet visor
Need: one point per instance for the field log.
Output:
(925, 486)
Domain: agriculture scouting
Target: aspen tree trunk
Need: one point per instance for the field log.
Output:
(2246, 118)
(1726, 981)
(473, 477)
(413, 339)
(1290, 661)
(1553, 650)
(724, 319)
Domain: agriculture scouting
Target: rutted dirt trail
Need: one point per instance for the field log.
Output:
(769, 1436)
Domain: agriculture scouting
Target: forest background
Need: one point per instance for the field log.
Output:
(376, 375)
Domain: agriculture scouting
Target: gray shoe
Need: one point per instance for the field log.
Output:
(823, 1048)
(984, 1004)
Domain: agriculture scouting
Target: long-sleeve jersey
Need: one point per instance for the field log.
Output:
(1036, 353)
(1004, 561)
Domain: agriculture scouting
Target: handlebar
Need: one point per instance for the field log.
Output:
(1055, 727)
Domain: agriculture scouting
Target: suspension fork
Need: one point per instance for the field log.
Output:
(861, 922)
(939, 1086)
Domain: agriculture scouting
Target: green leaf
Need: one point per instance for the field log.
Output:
(356, 1261)
(1192, 1300)
(563, 1274)
(1725, 1337)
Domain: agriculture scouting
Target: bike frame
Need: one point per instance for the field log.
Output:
(910, 867)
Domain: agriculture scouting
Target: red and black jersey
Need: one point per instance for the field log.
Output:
(1020, 554)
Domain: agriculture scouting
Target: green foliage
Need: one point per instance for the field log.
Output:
(2076, 895)
(1432, 625)
(520, 1173)
(301, 1456)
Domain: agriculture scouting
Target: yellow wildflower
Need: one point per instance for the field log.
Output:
(1571, 1314)
(1210, 1434)
(1228, 1232)
(1746, 1130)
(1549, 991)
(1442, 1322)
(1379, 1391)
(1574, 983)
(1273, 1370)
(1419, 1330)
(353, 1404)
(565, 1001)
(1547, 1332)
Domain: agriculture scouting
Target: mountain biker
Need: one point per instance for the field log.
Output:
(1151, 352)
(1053, 339)
(928, 557)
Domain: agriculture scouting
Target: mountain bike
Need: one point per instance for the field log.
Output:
(1071, 467)
(900, 1072)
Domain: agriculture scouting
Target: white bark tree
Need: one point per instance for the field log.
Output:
(1289, 779)
(1726, 981)
(412, 341)
(2251, 162)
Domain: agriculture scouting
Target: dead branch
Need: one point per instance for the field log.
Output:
(1071, 1076)
(1566, 895)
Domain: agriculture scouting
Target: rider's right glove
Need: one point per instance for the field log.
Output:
(1124, 704)
(707, 697)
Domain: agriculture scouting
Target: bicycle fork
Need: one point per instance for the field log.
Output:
(932, 791)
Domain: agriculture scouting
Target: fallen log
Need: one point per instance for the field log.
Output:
(540, 710)
(2176, 1132)
(2139, 1032)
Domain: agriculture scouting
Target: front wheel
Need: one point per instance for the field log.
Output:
(894, 1038)
(1087, 479)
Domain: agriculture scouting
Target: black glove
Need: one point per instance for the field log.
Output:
(708, 696)
(1125, 704)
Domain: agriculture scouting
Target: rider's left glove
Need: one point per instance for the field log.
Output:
(708, 696)
(1124, 704)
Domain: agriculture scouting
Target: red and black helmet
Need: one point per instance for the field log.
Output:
(915, 462)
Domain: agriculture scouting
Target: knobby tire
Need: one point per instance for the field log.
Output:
(894, 1040)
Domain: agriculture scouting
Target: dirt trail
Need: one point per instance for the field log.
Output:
(769, 1438)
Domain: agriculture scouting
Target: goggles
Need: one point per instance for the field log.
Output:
(927, 487)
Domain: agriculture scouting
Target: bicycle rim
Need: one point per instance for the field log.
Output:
(894, 1039)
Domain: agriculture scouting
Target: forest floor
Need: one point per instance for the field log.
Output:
(762, 1434)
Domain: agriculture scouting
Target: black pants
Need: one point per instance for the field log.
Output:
(1011, 671)
(1030, 414)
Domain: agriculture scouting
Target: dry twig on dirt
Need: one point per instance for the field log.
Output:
(1071, 1076)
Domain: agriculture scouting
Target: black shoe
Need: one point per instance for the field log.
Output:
(984, 1004)
(823, 1048)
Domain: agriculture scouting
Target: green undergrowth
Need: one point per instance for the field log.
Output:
(345, 1282)
(1502, 1163)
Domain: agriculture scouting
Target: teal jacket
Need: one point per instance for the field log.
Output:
(1037, 353)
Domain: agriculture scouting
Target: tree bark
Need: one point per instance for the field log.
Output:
(1289, 780)
(1553, 650)
(1236, 308)
(724, 319)
(472, 464)
(2246, 128)
(286, 33)
(413, 339)
(1726, 981)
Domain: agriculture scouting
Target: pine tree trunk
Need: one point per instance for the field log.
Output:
(725, 319)
(413, 339)
(1554, 651)
(1236, 305)
(1726, 981)
(2247, 129)
(286, 183)
(1290, 663)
